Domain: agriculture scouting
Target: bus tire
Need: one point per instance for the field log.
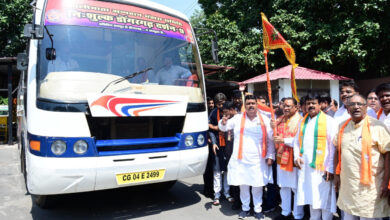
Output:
(43, 201)
(23, 164)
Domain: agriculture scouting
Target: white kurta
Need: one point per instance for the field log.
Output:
(342, 114)
(312, 189)
(252, 169)
(286, 178)
(385, 119)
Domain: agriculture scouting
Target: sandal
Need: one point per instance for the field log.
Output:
(216, 202)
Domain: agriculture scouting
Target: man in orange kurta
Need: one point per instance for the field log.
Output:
(287, 127)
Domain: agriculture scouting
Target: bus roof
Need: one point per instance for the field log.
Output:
(155, 6)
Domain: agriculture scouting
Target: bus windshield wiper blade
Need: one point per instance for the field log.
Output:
(125, 78)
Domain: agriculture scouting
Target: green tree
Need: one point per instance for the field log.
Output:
(236, 48)
(349, 38)
(14, 15)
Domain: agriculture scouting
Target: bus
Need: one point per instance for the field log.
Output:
(111, 94)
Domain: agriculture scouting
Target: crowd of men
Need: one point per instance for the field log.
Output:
(313, 154)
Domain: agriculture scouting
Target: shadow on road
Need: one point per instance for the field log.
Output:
(123, 203)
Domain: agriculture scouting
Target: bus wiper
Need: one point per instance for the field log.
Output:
(125, 78)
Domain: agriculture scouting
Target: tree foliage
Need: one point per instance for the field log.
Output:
(236, 48)
(349, 38)
(14, 15)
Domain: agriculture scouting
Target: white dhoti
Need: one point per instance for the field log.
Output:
(312, 189)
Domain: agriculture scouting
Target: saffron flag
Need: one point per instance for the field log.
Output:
(272, 39)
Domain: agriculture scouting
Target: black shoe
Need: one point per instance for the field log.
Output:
(243, 214)
(269, 209)
(259, 215)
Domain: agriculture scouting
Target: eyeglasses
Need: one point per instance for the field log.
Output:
(372, 98)
(359, 104)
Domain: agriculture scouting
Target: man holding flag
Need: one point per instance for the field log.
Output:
(286, 128)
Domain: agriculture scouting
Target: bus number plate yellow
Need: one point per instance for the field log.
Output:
(136, 177)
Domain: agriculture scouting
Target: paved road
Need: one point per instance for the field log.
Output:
(183, 201)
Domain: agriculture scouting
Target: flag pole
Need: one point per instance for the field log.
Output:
(269, 89)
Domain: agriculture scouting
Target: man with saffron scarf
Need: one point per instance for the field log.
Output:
(313, 155)
(362, 164)
(287, 127)
(383, 93)
(218, 146)
(253, 154)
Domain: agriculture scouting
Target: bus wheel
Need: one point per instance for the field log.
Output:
(43, 201)
(23, 165)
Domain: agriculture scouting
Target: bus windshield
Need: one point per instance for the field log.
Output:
(89, 58)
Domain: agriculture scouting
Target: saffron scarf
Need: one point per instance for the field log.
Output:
(365, 167)
(263, 131)
(379, 113)
(319, 140)
(220, 134)
(287, 128)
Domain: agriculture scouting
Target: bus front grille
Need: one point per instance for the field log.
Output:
(111, 128)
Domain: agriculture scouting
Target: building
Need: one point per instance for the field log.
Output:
(306, 80)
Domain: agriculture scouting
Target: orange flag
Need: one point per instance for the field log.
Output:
(272, 39)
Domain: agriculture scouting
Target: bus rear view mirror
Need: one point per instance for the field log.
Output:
(51, 53)
(33, 31)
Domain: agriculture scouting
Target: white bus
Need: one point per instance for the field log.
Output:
(111, 94)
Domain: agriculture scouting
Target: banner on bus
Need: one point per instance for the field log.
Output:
(111, 105)
(116, 16)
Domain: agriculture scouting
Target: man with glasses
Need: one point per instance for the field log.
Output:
(362, 162)
(373, 101)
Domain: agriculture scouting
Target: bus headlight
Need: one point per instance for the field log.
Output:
(189, 141)
(80, 147)
(58, 147)
(200, 139)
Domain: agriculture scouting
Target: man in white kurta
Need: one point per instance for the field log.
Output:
(314, 187)
(253, 169)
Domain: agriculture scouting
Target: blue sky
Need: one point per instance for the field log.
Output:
(187, 7)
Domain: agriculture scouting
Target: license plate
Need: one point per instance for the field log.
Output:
(137, 177)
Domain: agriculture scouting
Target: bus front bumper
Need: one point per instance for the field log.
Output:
(47, 176)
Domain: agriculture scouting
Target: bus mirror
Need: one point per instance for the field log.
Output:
(214, 51)
(22, 62)
(33, 31)
(51, 53)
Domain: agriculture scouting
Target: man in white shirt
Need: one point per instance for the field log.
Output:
(170, 74)
(383, 93)
(313, 155)
(347, 90)
(253, 155)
